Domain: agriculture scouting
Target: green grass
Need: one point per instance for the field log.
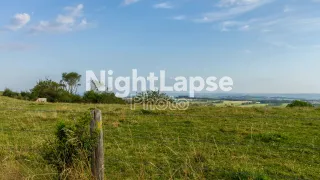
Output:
(202, 142)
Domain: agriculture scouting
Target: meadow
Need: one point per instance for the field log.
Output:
(203, 142)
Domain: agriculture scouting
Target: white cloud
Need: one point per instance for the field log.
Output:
(239, 7)
(231, 25)
(278, 31)
(18, 21)
(83, 24)
(179, 18)
(227, 3)
(276, 24)
(281, 44)
(128, 2)
(244, 28)
(72, 20)
(164, 5)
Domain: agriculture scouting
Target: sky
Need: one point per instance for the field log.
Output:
(265, 46)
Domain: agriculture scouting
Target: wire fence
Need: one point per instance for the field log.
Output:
(12, 132)
(184, 115)
(117, 140)
(136, 115)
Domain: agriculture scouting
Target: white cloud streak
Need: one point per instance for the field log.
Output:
(72, 20)
(276, 24)
(235, 10)
(129, 2)
(179, 18)
(227, 3)
(164, 5)
(18, 21)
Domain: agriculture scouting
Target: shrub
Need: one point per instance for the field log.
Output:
(47, 89)
(71, 149)
(102, 97)
(9, 93)
(299, 104)
(54, 92)
(76, 98)
(26, 95)
(152, 97)
(65, 96)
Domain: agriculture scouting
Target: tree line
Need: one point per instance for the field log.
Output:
(64, 91)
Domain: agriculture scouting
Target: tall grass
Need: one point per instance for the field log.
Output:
(199, 143)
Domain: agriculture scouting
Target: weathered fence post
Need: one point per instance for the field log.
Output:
(97, 164)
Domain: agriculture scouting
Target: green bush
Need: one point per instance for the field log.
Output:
(26, 95)
(48, 89)
(54, 92)
(102, 97)
(76, 98)
(299, 104)
(65, 91)
(71, 149)
(65, 96)
(9, 93)
(152, 97)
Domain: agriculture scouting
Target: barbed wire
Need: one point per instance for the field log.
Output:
(155, 114)
(212, 140)
(225, 116)
(40, 110)
(162, 138)
(19, 149)
(23, 130)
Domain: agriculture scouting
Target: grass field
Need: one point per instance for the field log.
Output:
(199, 143)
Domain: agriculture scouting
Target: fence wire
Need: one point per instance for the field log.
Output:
(141, 114)
(154, 137)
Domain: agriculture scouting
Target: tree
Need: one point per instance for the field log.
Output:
(300, 104)
(47, 89)
(70, 82)
(26, 95)
(9, 93)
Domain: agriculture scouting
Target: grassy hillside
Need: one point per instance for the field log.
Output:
(200, 143)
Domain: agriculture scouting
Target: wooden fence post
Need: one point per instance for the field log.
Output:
(97, 164)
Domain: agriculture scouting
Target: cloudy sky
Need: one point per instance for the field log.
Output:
(266, 46)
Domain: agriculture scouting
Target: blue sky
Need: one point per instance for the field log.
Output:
(266, 46)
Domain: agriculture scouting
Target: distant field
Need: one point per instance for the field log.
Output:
(203, 142)
(230, 103)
